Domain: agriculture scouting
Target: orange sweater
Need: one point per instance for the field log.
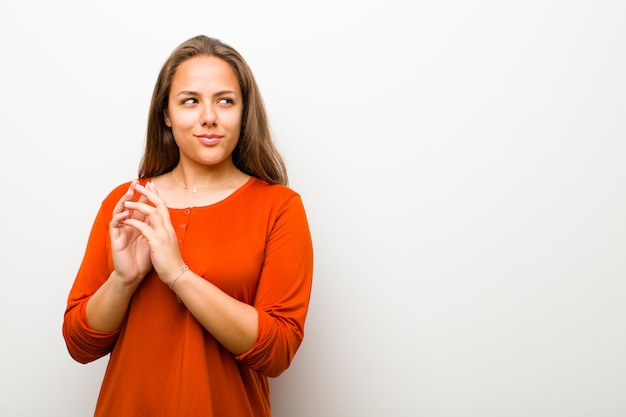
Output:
(255, 245)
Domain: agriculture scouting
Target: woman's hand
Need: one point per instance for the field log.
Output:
(107, 307)
(152, 222)
(130, 250)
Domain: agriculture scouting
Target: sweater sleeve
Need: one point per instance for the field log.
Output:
(283, 292)
(83, 343)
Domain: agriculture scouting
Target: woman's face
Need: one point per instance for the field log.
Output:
(204, 110)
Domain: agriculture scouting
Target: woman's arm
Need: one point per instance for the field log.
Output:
(265, 335)
(283, 291)
(99, 296)
(107, 307)
(233, 323)
(230, 321)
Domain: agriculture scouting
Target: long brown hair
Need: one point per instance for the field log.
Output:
(255, 153)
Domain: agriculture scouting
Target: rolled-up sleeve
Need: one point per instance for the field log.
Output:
(84, 344)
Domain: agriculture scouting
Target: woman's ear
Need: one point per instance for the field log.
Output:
(167, 118)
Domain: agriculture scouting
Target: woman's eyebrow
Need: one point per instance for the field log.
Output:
(194, 93)
(222, 92)
(187, 93)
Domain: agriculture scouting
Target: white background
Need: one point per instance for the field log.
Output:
(462, 164)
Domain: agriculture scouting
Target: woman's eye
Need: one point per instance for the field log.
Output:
(190, 101)
(225, 101)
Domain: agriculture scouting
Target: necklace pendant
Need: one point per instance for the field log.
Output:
(194, 190)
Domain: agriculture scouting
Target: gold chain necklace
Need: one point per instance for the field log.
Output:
(195, 188)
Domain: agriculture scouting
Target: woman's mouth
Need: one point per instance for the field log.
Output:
(209, 138)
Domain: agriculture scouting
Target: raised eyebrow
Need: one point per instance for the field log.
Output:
(219, 93)
(187, 93)
(194, 94)
(225, 93)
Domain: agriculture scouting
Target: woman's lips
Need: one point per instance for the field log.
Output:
(209, 139)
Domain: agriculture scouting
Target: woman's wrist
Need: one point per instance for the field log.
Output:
(181, 271)
(123, 284)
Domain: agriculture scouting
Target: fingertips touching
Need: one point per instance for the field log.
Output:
(131, 187)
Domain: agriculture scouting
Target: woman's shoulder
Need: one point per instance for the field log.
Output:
(265, 189)
(262, 196)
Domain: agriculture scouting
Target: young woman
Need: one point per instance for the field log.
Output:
(196, 277)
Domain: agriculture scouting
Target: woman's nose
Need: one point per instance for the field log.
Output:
(208, 115)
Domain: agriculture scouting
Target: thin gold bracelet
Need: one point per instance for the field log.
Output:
(182, 270)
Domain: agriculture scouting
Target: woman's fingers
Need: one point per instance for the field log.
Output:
(149, 213)
(149, 194)
(119, 211)
(149, 217)
(150, 205)
(117, 220)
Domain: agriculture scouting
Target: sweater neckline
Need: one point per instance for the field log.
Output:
(225, 200)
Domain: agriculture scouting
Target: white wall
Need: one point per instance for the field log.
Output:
(462, 164)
